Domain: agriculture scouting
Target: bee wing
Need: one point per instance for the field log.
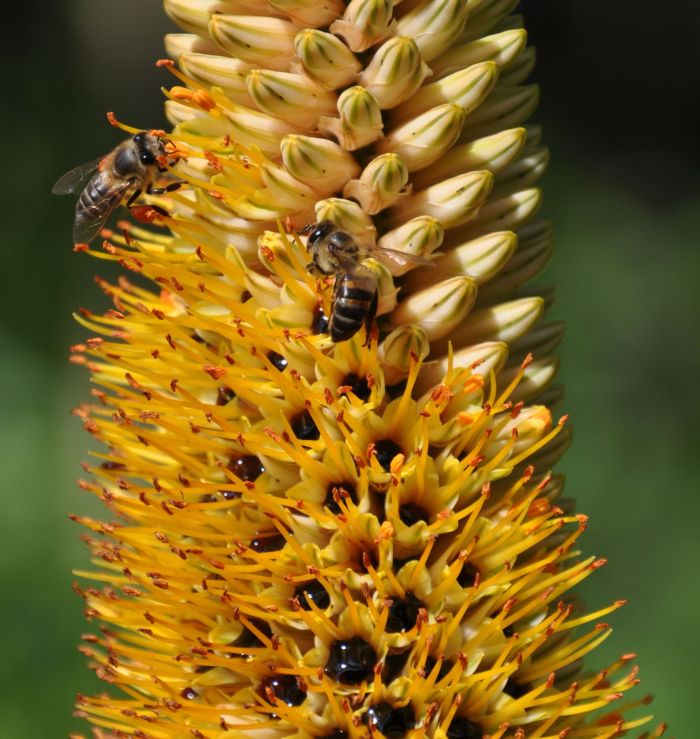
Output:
(74, 180)
(86, 225)
(397, 261)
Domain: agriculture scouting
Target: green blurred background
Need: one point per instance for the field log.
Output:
(618, 87)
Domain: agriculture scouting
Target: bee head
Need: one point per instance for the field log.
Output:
(149, 147)
(320, 231)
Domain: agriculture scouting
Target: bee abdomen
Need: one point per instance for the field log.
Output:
(95, 199)
(352, 306)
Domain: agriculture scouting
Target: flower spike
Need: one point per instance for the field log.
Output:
(324, 411)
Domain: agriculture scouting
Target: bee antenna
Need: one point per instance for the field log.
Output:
(305, 229)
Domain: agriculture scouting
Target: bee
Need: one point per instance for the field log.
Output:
(130, 166)
(356, 290)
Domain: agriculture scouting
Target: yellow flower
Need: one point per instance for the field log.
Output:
(361, 537)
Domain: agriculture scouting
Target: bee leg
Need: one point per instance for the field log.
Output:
(162, 190)
(133, 197)
(369, 319)
(312, 268)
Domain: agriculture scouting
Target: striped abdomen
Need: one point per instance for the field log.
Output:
(354, 303)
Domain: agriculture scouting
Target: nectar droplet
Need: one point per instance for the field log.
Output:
(277, 360)
(313, 591)
(284, 688)
(394, 723)
(304, 427)
(350, 661)
(411, 513)
(403, 614)
(386, 450)
(246, 467)
(358, 385)
(270, 543)
(341, 488)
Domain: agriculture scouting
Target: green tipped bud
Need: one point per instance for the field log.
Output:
(349, 217)
(250, 128)
(506, 107)
(502, 322)
(265, 290)
(521, 68)
(501, 48)
(319, 163)
(360, 122)
(487, 356)
(192, 17)
(434, 25)
(189, 121)
(549, 455)
(489, 16)
(219, 71)
(292, 97)
(541, 341)
(425, 139)
(492, 152)
(364, 23)
(530, 258)
(481, 259)
(395, 72)
(309, 14)
(537, 377)
(420, 236)
(399, 349)
(326, 59)
(177, 44)
(467, 88)
(439, 308)
(259, 40)
(526, 170)
(509, 212)
(451, 202)
(287, 191)
(381, 184)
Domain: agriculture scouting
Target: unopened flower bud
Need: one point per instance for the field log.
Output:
(481, 258)
(503, 322)
(319, 163)
(508, 212)
(263, 41)
(483, 358)
(420, 237)
(219, 71)
(434, 25)
(505, 108)
(536, 378)
(292, 97)
(364, 23)
(491, 152)
(349, 217)
(501, 48)
(326, 59)
(251, 128)
(399, 349)
(381, 184)
(467, 88)
(425, 139)
(451, 202)
(396, 71)
(360, 122)
(438, 308)
(309, 14)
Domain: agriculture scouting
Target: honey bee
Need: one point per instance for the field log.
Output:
(132, 165)
(355, 291)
